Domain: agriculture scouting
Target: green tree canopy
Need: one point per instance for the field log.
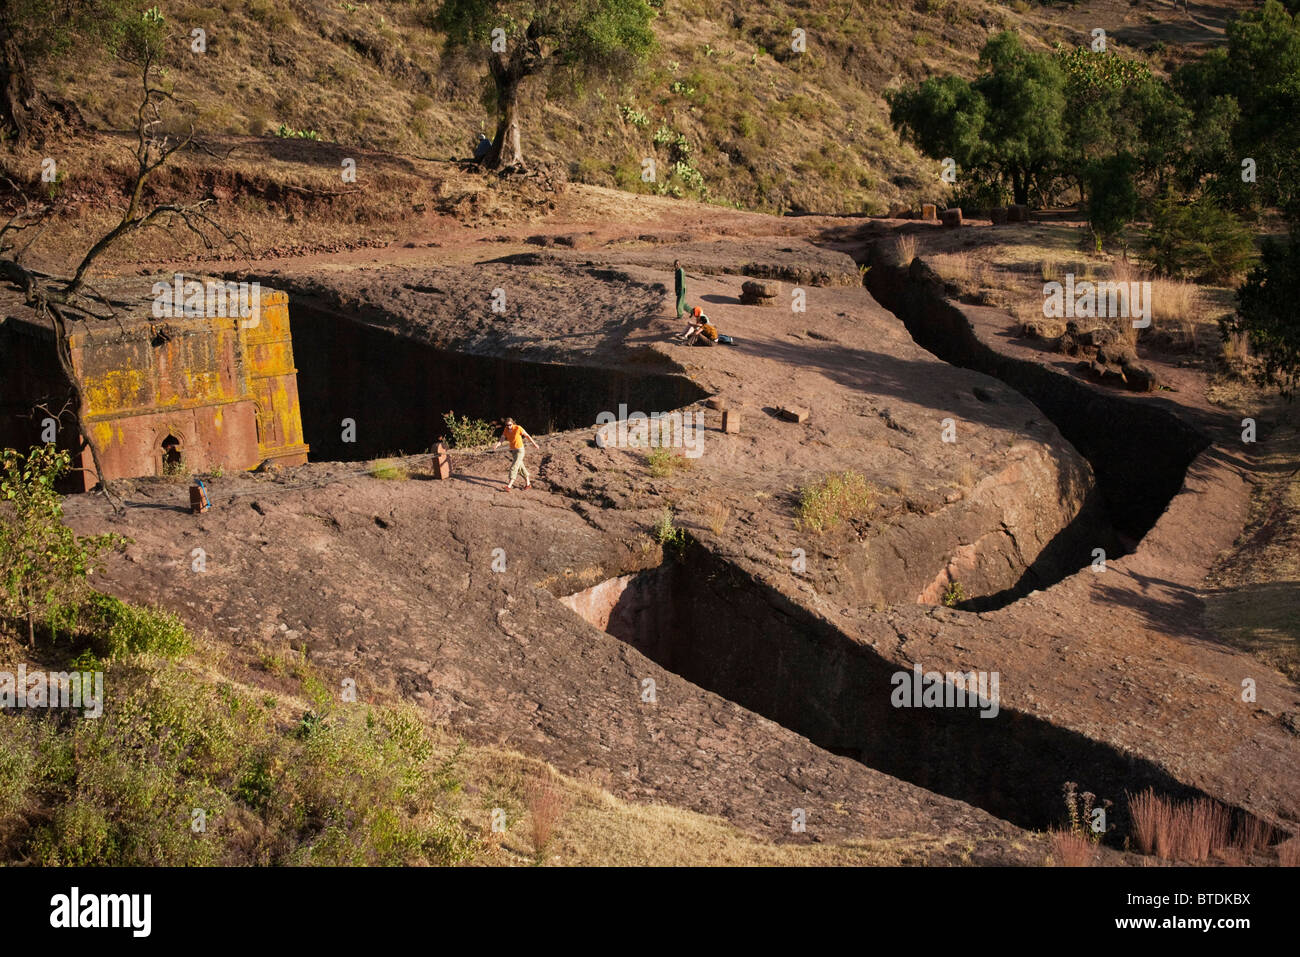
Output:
(1266, 313)
(1005, 127)
(521, 38)
(1249, 95)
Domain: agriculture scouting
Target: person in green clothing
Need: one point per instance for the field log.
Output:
(679, 284)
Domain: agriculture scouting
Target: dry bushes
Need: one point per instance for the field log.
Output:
(1177, 306)
(546, 805)
(1072, 849)
(1193, 830)
(905, 246)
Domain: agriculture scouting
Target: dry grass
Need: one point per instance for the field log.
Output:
(1193, 830)
(717, 516)
(665, 463)
(1288, 853)
(905, 246)
(1253, 835)
(1205, 827)
(962, 268)
(1178, 308)
(546, 805)
(1071, 849)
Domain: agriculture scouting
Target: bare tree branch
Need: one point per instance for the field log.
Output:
(62, 301)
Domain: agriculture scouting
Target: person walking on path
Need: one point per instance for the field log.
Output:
(514, 435)
(679, 285)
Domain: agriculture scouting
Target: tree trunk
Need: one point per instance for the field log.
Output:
(61, 347)
(506, 151)
(17, 94)
(1020, 187)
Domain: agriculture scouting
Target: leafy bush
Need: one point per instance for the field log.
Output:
(117, 628)
(362, 788)
(466, 432)
(288, 132)
(954, 595)
(634, 116)
(43, 563)
(1266, 313)
(667, 534)
(834, 500)
(1112, 196)
(1199, 240)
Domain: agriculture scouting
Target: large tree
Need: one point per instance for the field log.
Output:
(34, 32)
(62, 302)
(1246, 102)
(522, 38)
(1266, 313)
(1005, 126)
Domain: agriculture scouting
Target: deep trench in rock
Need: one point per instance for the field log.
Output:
(1139, 451)
(714, 625)
(707, 621)
(396, 389)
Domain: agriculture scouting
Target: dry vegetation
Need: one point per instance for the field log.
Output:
(1008, 266)
(255, 738)
(1193, 831)
(1071, 849)
(762, 126)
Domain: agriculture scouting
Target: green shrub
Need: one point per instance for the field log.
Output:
(288, 132)
(835, 499)
(1266, 314)
(117, 628)
(667, 534)
(663, 463)
(363, 788)
(44, 565)
(1112, 197)
(954, 594)
(466, 432)
(1199, 240)
(634, 116)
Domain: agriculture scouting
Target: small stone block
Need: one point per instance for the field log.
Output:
(929, 211)
(441, 462)
(716, 402)
(730, 421)
(793, 413)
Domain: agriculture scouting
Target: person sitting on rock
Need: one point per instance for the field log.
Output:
(694, 324)
(706, 335)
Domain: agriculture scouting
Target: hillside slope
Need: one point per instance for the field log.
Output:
(755, 123)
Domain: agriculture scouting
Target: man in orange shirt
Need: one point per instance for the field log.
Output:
(514, 435)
